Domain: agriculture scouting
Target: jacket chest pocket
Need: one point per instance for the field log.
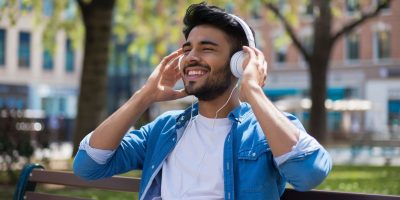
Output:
(256, 169)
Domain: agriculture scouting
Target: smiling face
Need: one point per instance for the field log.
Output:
(205, 72)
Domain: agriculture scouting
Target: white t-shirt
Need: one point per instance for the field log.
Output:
(194, 168)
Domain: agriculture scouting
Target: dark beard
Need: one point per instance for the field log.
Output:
(214, 87)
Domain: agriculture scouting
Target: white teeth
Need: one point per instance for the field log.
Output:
(195, 72)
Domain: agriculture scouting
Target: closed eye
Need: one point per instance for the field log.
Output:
(186, 51)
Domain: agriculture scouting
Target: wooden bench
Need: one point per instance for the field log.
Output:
(34, 174)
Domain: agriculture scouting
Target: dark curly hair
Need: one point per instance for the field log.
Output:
(199, 14)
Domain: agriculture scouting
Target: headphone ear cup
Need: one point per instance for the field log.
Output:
(237, 63)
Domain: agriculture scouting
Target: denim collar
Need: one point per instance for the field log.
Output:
(238, 114)
(186, 115)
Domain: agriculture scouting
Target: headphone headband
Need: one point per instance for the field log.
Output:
(247, 30)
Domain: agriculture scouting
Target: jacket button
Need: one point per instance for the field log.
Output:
(253, 154)
(152, 167)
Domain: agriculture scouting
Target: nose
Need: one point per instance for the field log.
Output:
(191, 57)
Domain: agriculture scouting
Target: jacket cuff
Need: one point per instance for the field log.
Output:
(305, 144)
(100, 156)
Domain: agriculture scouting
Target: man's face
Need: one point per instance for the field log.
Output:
(205, 65)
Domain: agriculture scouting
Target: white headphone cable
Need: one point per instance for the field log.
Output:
(216, 113)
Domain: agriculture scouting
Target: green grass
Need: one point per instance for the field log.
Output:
(7, 192)
(363, 179)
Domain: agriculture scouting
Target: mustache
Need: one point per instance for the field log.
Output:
(197, 64)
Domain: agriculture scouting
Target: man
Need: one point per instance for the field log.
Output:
(232, 144)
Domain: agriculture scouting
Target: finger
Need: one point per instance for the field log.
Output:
(174, 63)
(260, 59)
(265, 67)
(265, 71)
(171, 56)
(180, 61)
(258, 53)
(250, 52)
(264, 79)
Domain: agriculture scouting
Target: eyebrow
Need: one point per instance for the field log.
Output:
(204, 42)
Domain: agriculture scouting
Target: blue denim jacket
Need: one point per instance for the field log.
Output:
(250, 171)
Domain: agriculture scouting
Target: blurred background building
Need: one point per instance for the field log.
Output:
(363, 87)
(363, 93)
(37, 79)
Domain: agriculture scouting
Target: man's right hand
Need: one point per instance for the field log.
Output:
(160, 84)
(159, 87)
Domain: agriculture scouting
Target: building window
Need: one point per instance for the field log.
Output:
(280, 55)
(47, 60)
(70, 56)
(394, 116)
(62, 105)
(352, 6)
(48, 8)
(308, 9)
(386, 5)
(24, 51)
(382, 44)
(121, 56)
(352, 46)
(2, 47)
(308, 43)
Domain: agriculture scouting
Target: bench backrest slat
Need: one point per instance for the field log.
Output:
(31, 175)
(40, 196)
(116, 183)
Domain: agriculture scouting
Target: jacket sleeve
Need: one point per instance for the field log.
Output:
(307, 165)
(306, 171)
(90, 163)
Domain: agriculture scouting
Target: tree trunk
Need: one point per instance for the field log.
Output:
(97, 17)
(318, 58)
(318, 63)
(318, 83)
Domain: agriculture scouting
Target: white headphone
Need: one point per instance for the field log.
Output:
(238, 58)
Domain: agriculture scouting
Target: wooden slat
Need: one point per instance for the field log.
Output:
(116, 183)
(329, 195)
(41, 196)
(119, 183)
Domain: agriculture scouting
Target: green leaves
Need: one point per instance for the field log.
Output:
(64, 17)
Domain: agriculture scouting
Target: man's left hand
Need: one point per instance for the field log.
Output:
(254, 71)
